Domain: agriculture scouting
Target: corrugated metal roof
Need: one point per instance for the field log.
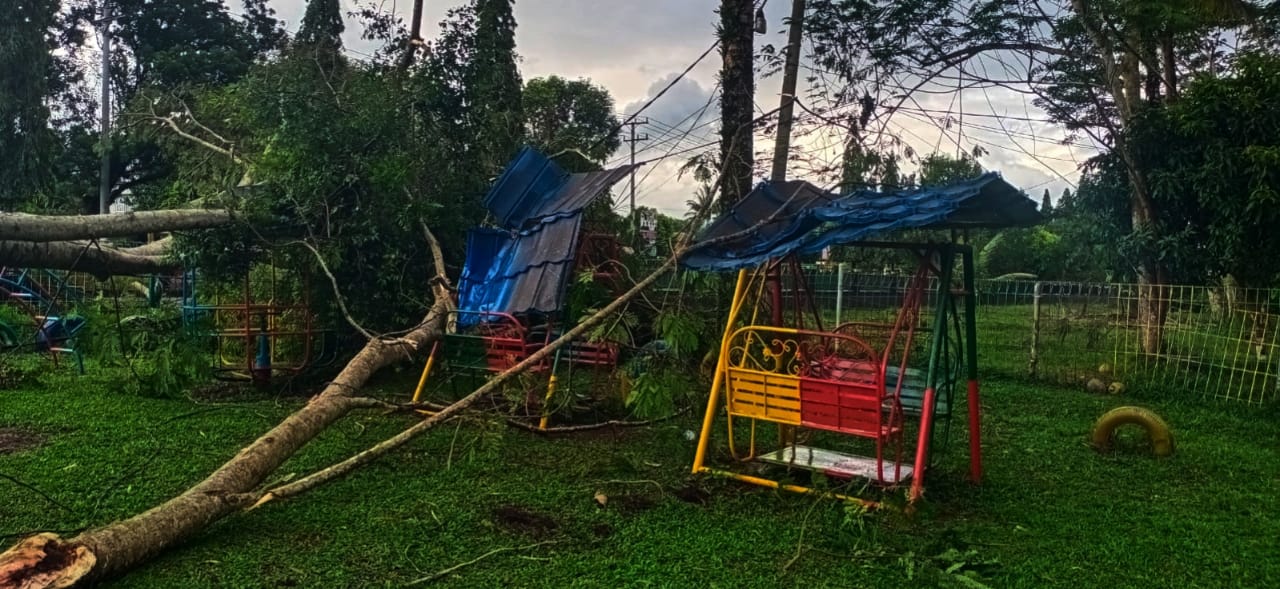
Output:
(813, 219)
(580, 190)
(526, 266)
(533, 187)
(519, 272)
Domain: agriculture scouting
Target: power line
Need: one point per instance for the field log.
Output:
(664, 90)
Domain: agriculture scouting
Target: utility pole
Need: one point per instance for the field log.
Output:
(632, 139)
(782, 144)
(104, 179)
(415, 37)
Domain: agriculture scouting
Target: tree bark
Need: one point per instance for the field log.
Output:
(49, 561)
(1123, 84)
(1169, 65)
(737, 99)
(415, 37)
(102, 262)
(24, 227)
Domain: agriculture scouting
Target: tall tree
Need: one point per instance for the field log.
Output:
(322, 25)
(493, 83)
(737, 99)
(1046, 203)
(1213, 157)
(571, 117)
(26, 142)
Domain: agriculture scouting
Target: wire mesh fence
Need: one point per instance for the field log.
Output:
(1216, 342)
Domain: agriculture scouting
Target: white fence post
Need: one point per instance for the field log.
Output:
(1033, 360)
(839, 291)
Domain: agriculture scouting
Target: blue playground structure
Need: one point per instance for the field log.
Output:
(41, 322)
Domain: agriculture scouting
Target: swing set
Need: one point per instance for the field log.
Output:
(884, 389)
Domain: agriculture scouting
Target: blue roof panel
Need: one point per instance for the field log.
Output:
(524, 266)
(530, 180)
(765, 226)
(519, 272)
(533, 187)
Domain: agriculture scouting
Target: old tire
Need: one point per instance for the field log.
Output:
(1157, 430)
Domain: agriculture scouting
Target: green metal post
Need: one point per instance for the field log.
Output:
(946, 259)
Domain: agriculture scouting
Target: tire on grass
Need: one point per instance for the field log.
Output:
(1103, 435)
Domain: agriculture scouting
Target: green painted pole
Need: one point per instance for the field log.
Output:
(946, 259)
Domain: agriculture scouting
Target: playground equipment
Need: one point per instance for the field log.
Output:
(46, 325)
(264, 332)
(1104, 430)
(512, 291)
(871, 386)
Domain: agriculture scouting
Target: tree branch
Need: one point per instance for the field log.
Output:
(971, 51)
(65, 255)
(337, 294)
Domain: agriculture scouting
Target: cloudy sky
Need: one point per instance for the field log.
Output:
(635, 48)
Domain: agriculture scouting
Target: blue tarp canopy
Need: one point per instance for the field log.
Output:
(524, 265)
(782, 218)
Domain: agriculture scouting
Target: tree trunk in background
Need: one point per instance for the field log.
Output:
(40, 241)
(1123, 83)
(737, 99)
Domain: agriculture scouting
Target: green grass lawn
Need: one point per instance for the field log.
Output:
(1052, 512)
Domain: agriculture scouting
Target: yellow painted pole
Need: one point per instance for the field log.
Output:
(426, 370)
(546, 405)
(793, 488)
(716, 382)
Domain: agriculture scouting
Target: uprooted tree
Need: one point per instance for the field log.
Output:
(341, 175)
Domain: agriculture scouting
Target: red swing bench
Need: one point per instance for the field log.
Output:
(834, 381)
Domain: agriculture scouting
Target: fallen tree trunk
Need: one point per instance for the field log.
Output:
(24, 227)
(48, 561)
(45, 561)
(102, 262)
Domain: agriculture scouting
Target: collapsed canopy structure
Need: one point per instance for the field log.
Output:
(876, 385)
(783, 218)
(511, 294)
(524, 264)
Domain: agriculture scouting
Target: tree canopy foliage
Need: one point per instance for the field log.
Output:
(1123, 73)
(564, 115)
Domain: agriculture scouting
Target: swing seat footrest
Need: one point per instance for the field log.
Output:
(839, 465)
